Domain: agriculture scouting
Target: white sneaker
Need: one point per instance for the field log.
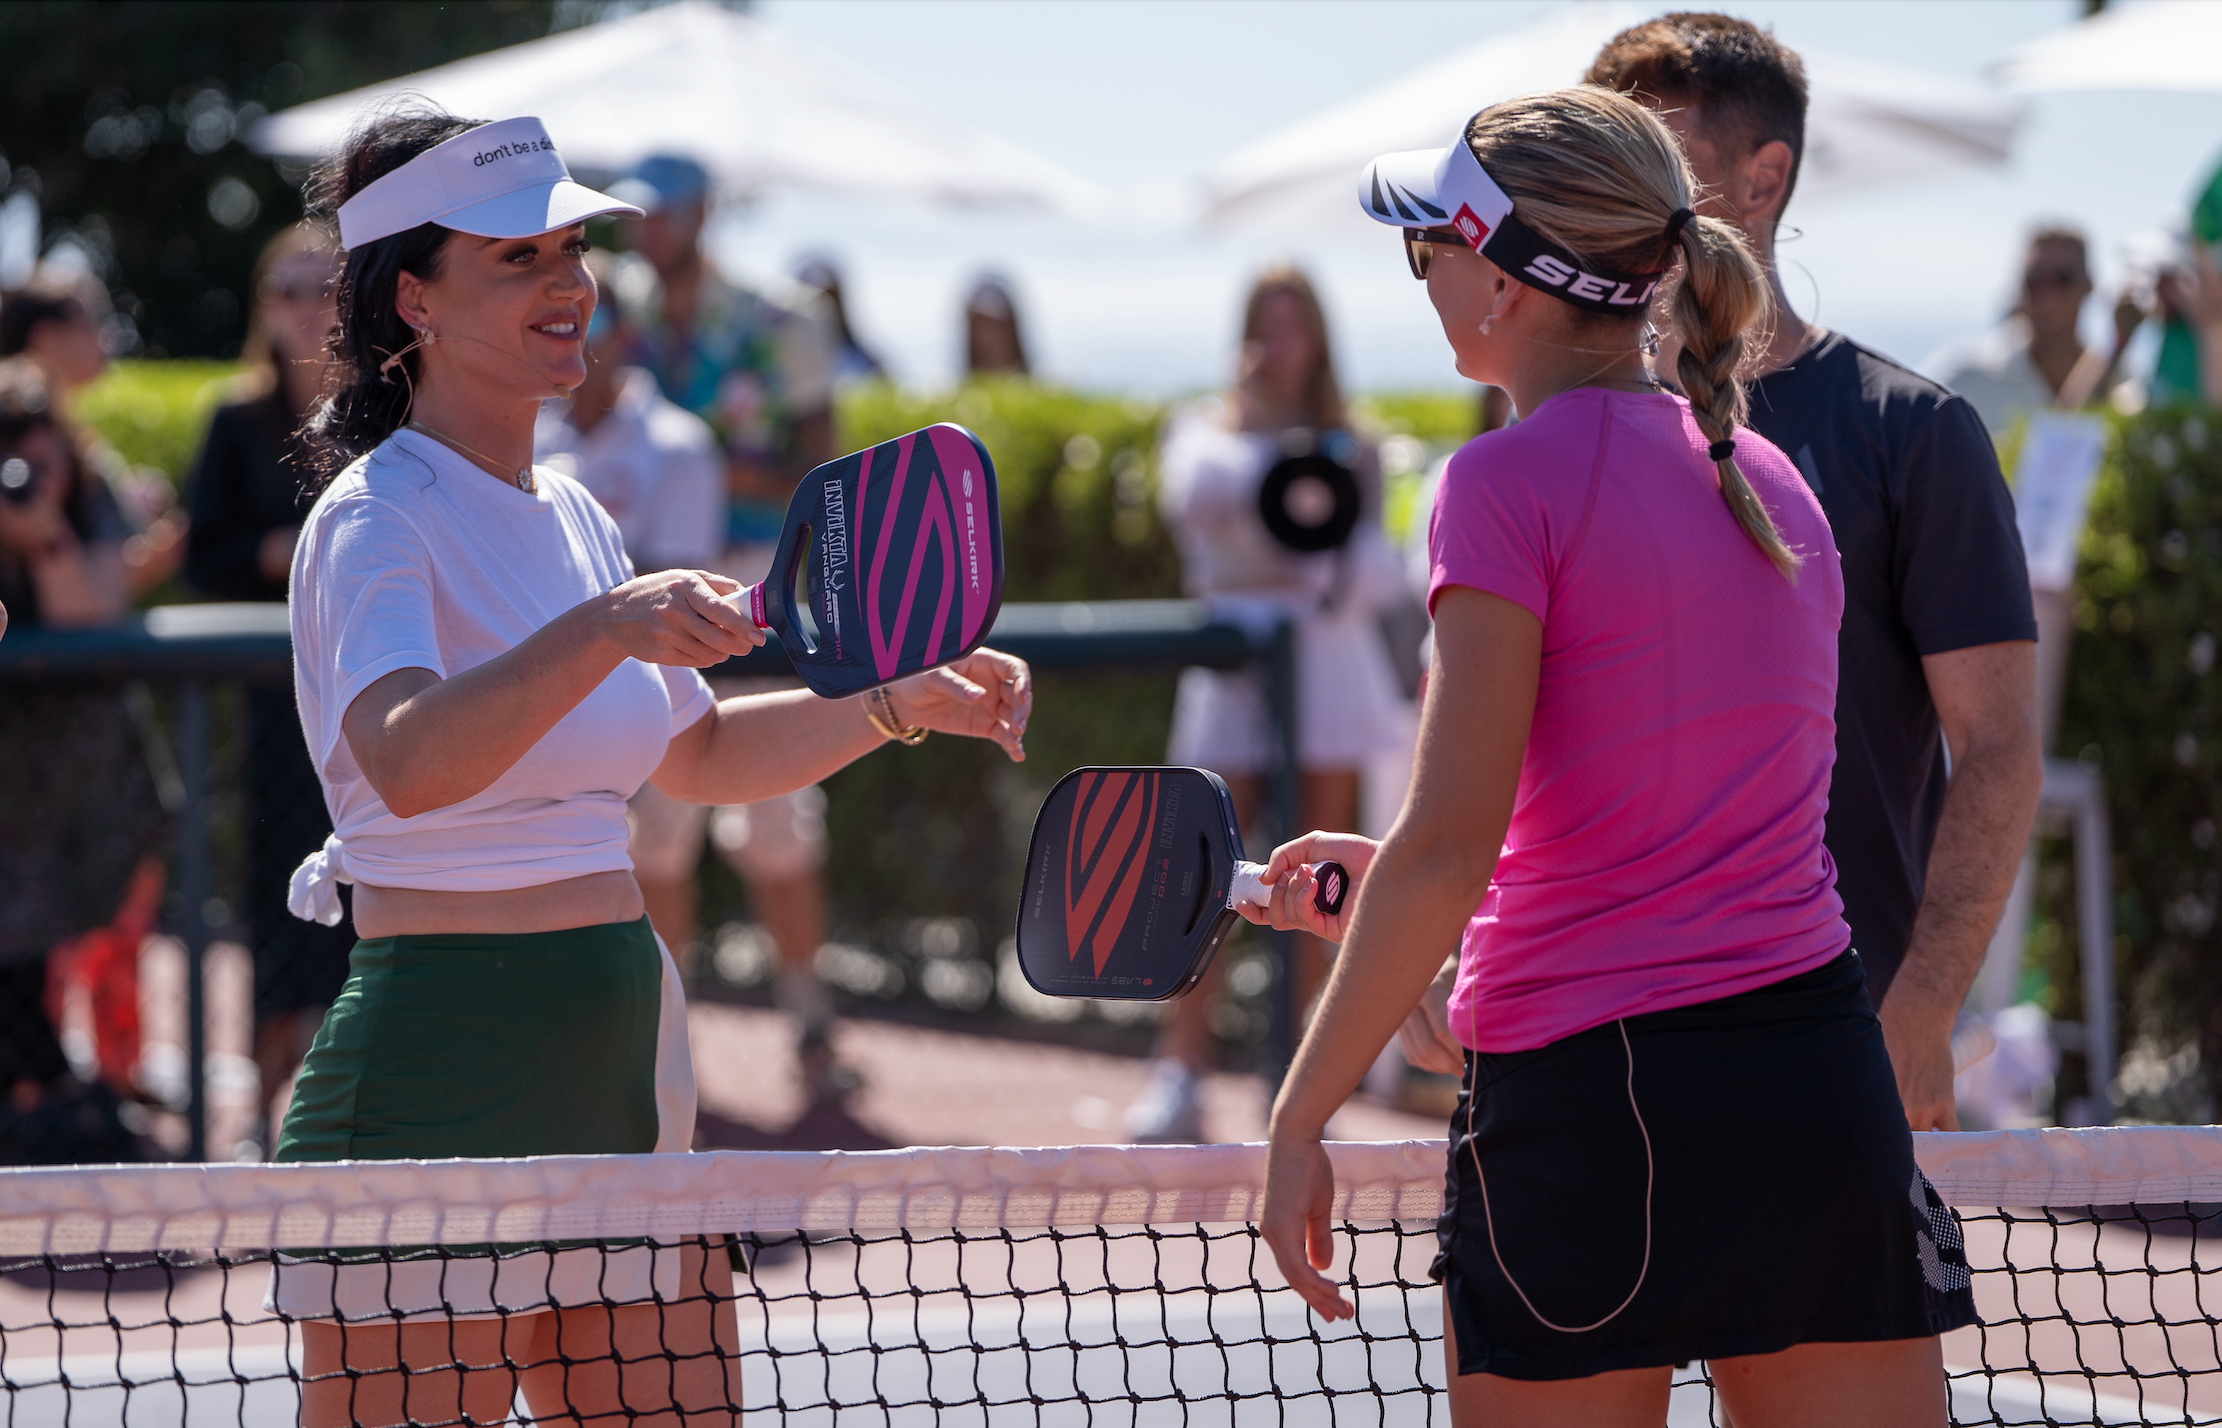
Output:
(1168, 1111)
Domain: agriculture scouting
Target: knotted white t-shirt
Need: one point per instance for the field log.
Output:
(414, 558)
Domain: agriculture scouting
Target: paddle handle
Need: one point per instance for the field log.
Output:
(751, 599)
(1329, 887)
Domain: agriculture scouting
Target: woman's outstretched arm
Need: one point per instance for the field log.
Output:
(1424, 884)
(424, 742)
(764, 745)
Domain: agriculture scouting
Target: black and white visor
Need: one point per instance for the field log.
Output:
(500, 180)
(1448, 188)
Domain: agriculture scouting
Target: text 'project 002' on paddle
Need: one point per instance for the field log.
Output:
(890, 562)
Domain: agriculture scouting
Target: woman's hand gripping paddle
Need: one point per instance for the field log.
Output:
(890, 562)
(1133, 876)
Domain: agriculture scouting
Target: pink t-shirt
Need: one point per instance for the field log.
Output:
(1665, 845)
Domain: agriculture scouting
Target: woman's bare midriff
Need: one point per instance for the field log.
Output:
(585, 901)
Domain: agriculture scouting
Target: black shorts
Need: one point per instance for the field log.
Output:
(1784, 1204)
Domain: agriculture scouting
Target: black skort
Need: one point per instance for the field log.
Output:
(1784, 1205)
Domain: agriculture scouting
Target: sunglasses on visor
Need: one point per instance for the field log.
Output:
(1419, 247)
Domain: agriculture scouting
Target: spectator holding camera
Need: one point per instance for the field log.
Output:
(61, 531)
(1220, 458)
(54, 323)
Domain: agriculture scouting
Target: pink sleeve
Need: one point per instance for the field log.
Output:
(1489, 531)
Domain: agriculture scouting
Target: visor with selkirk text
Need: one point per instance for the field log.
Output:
(500, 180)
(1448, 188)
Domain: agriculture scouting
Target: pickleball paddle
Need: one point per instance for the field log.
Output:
(890, 562)
(1132, 877)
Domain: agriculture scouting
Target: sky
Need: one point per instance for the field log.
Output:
(1140, 97)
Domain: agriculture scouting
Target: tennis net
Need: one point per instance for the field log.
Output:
(1098, 1285)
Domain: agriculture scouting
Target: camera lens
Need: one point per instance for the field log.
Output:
(15, 477)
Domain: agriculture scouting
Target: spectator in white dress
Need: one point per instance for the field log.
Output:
(1349, 705)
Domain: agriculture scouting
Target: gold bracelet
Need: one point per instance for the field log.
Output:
(883, 719)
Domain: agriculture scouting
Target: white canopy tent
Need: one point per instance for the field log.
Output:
(1866, 124)
(758, 109)
(2165, 44)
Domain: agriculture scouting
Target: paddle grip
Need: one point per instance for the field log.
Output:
(751, 598)
(1330, 886)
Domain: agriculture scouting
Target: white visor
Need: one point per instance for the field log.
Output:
(500, 180)
(1434, 188)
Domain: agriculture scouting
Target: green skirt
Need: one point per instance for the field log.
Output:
(483, 1046)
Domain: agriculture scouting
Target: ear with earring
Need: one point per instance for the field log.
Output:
(1487, 323)
(425, 338)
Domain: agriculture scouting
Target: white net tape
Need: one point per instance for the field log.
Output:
(139, 1208)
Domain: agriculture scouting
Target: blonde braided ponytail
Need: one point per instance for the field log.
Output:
(1723, 298)
(1598, 173)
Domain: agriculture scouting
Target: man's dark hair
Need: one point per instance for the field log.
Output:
(364, 404)
(1748, 85)
(2060, 233)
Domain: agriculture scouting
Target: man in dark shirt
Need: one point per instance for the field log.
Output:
(1938, 636)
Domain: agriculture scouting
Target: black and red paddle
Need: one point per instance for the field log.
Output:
(1132, 877)
(890, 562)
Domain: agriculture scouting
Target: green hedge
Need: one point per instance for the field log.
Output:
(940, 830)
(2144, 704)
(156, 413)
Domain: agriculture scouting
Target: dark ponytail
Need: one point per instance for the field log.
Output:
(362, 406)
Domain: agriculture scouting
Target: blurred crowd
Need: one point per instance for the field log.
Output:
(707, 401)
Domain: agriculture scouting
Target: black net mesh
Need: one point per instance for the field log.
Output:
(2090, 1314)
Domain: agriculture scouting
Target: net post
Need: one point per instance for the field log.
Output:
(192, 895)
(1279, 668)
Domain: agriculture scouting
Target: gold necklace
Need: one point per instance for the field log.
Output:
(522, 475)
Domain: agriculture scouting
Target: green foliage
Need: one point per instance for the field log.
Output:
(156, 413)
(1437, 418)
(1077, 475)
(2144, 702)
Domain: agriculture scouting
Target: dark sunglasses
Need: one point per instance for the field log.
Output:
(1419, 247)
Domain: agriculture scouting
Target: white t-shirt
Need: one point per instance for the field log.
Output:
(653, 465)
(414, 558)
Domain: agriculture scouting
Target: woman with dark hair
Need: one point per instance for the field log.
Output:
(993, 345)
(250, 491)
(483, 683)
(1672, 1072)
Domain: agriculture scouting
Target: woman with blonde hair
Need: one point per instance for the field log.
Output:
(1220, 457)
(1672, 1073)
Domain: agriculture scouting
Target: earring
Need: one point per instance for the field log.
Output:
(1487, 322)
(425, 338)
(1650, 340)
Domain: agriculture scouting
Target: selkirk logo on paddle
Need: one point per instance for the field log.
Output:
(894, 564)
